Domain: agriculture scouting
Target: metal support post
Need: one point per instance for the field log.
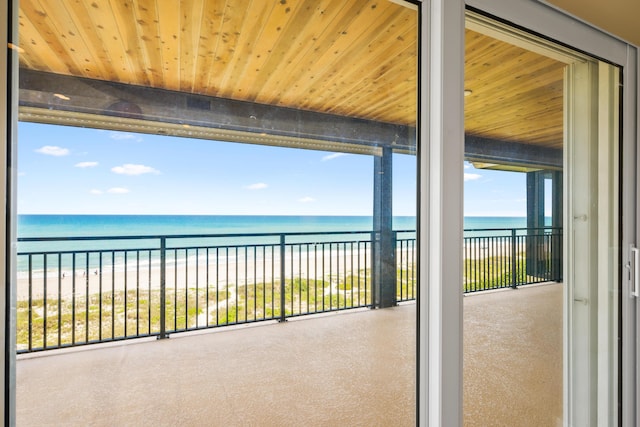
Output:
(535, 262)
(383, 243)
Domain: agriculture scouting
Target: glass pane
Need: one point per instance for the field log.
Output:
(530, 110)
(224, 167)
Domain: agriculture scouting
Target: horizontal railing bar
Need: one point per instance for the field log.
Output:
(193, 236)
(89, 251)
(92, 342)
(509, 229)
(182, 248)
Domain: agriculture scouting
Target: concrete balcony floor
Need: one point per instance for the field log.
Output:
(348, 369)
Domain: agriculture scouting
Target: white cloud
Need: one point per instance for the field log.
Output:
(307, 200)
(257, 186)
(131, 169)
(95, 191)
(53, 150)
(117, 190)
(333, 156)
(122, 136)
(471, 176)
(86, 164)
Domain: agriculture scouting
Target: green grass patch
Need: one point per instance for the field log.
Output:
(109, 316)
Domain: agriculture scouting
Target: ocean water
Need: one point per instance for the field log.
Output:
(154, 225)
(70, 226)
(142, 225)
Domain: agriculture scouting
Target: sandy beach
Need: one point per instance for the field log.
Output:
(196, 273)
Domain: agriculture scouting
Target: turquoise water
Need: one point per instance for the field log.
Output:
(65, 226)
(142, 225)
(130, 225)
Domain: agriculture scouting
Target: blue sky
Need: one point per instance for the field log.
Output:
(84, 171)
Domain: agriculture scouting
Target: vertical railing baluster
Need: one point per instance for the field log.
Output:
(163, 288)
(246, 283)
(59, 299)
(186, 289)
(367, 294)
(44, 304)
(514, 266)
(299, 277)
(73, 298)
(236, 280)
(226, 280)
(137, 293)
(401, 261)
(352, 275)
(337, 274)
(100, 298)
(315, 277)
(293, 281)
(282, 279)
(330, 276)
(126, 296)
(207, 286)
(217, 286)
(197, 283)
(30, 344)
(149, 299)
(308, 278)
(264, 282)
(113, 292)
(175, 289)
(255, 282)
(86, 298)
(273, 282)
(358, 246)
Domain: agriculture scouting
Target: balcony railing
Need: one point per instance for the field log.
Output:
(82, 290)
(510, 257)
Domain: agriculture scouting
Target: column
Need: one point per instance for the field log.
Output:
(383, 244)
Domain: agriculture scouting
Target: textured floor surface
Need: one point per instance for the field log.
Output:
(513, 358)
(349, 369)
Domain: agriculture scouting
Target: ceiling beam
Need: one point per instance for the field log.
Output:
(509, 155)
(73, 95)
(58, 99)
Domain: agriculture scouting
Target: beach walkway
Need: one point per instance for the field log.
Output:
(350, 368)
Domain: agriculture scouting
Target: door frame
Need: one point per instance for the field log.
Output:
(551, 23)
(440, 307)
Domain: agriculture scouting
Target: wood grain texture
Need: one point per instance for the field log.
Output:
(353, 58)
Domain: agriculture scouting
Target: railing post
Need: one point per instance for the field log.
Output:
(283, 315)
(514, 262)
(163, 288)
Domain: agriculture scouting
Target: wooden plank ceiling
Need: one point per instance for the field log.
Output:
(351, 58)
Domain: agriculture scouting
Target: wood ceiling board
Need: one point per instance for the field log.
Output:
(357, 59)
(218, 53)
(517, 94)
(242, 68)
(105, 27)
(343, 50)
(53, 53)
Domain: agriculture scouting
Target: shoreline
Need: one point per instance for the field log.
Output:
(192, 274)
